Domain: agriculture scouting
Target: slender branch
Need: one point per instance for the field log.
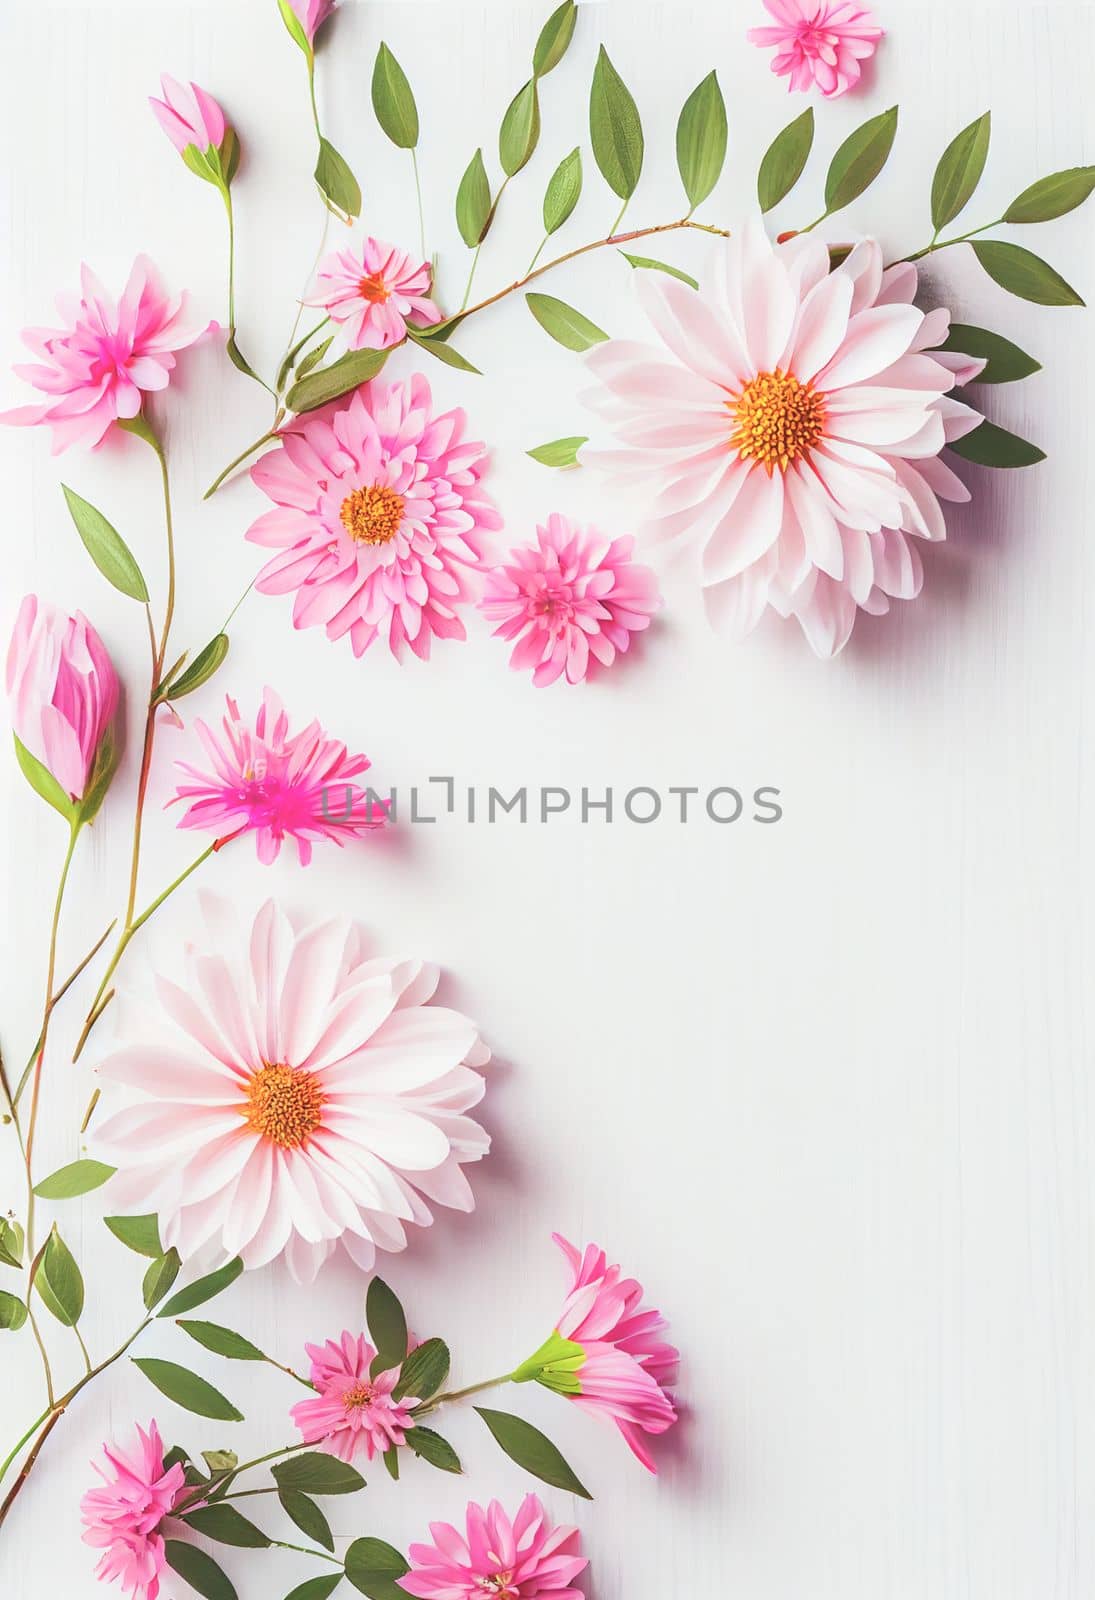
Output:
(460, 1394)
(238, 461)
(418, 193)
(944, 244)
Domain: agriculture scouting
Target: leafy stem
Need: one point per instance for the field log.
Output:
(943, 244)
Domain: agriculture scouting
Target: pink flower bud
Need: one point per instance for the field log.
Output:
(312, 14)
(189, 116)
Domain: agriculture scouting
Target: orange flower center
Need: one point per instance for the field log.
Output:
(374, 289)
(778, 419)
(500, 1586)
(372, 515)
(284, 1104)
(361, 1394)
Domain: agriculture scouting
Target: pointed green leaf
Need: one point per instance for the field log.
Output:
(615, 129)
(294, 26)
(12, 1240)
(227, 1526)
(1024, 274)
(785, 160)
(444, 353)
(563, 191)
(59, 1281)
(990, 446)
(473, 213)
(565, 325)
(238, 359)
(1006, 362)
(859, 160)
(651, 265)
(160, 1276)
(13, 1312)
(701, 140)
(80, 1177)
(1052, 197)
(390, 1459)
(554, 40)
(393, 100)
(186, 1389)
(307, 1516)
(197, 1569)
(335, 179)
(200, 670)
(106, 547)
(520, 132)
(102, 772)
(312, 360)
(203, 1289)
(373, 1567)
(316, 1473)
(316, 1588)
(959, 171)
(329, 383)
(43, 782)
(222, 1341)
(532, 1451)
(424, 1371)
(387, 1326)
(561, 453)
(141, 1234)
(220, 1462)
(434, 1449)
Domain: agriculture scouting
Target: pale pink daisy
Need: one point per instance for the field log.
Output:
(819, 41)
(789, 426)
(379, 518)
(276, 785)
(371, 291)
(189, 116)
(571, 600)
(522, 1559)
(354, 1412)
(98, 368)
(286, 1091)
(122, 1519)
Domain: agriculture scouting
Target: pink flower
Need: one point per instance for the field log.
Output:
(189, 116)
(820, 41)
(123, 1518)
(571, 596)
(98, 368)
(789, 426)
(287, 1092)
(526, 1559)
(266, 782)
(354, 1411)
(379, 518)
(372, 291)
(64, 696)
(311, 14)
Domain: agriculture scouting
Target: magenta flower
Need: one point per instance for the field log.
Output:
(354, 1412)
(571, 600)
(311, 14)
(526, 1559)
(372, 290)
(819, 41)
(277, 786)
(379, 518)
(98, 368)
(123, 1518)
(189, 116)
(64, 695)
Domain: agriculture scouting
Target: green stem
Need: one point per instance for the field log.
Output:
(18, 1445)
(471, 277)
(944, 244)
(461, 1394)
(242, 457)
(83, 1346)
(421, 213)
(539, 251)
(227, 194)
(58, 995)
(306, 1550)
(620, 216)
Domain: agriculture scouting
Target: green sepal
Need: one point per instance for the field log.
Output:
(556, 1365)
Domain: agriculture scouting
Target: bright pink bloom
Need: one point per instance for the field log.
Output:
(372, 290)
(123, 1518)
(499, 1559)
(353, 1412)
(102, 363)
(820, 41)
(571, 600)
(276, 785)
(312, 14)
(63, 691)
(379, 518)
(189, 115)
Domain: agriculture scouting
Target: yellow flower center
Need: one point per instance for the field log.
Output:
(284, 1104)
(778, 419)
(372, 515)
(374, 289)
(361, 1394)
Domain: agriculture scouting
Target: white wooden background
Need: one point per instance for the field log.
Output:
(823, 1086)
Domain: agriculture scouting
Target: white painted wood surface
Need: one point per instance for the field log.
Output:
(824, 1086)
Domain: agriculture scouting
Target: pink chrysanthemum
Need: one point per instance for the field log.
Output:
(371, 291)
(123, 1518)
(819, 41)
(278, 786)
(287, 1092)
(572, 599)
(354, 1412)
(526, 1559)
(790, 426)
(98, 368)
(379, 518)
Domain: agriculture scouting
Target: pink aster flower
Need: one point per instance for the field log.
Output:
(789, 426)
(312, 14)
(371, 291)
(379, 518)
(99, 366)
(526, 1559)
(819, 41)
(276, 785)
(571, 600)
(189, 116)
(354, 1412)
(123, 1518)
(286, 1092)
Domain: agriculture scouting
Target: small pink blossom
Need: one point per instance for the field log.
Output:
(123, 1518)
(189, 116)
(820, 41)
(372, 290)
(312, 14)
(571, 600)
(354, 1412)
(276, 785)
(526, 1559)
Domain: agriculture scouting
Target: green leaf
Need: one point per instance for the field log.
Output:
(565, 325)
(393, 100)
(106, 547)
(238, 359)
(563, 191)
(205, 164)
(554, 40)
(294, 26)
(520, 131)
(316, 1588)
(443, 352)
(43, 782)
(222, 1341)
(226, 1525)
(473, 213)
(59, 1281)
(424, 1371)
(200, 670)
(80, 1177)
(13, 1312)
(701, 140)
(532, 1451)
(959, 171)
(160, 1276)
(615, 129)
(220, 1462)
(230, 154)
(336, 181)
(373, 1567)
(102, 773)
(316, 1473)
(390, 1459)
(434, 1449)
(347, 373)
(1054, 196)
(12, 1240)
(307, 1516)
(203, 1289)
(1024, 274)
(141, 1234)
(990, 446)
(661, 266)
(561, 453)
(387, 1326)
(859, 160)
(187, 1389)
(785, 160)
(198, 1570)
(312, 360)
(1006, 362)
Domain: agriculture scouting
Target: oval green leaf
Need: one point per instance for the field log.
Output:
(701, 140)
(106, 547)
(393, 100)
(532, 1451)
(387, 1325)
(79, 1177)
(43, 782)
(1024, 274)
(186, 1389)
(651, 265)
(859, 160)
(784, 161)
(1006, 362)
(336, 180)
(1052, 197)
(316, 1588)
(12, 1239)
(203, 1289)
(990, 446)
(141, 1234)
(307, 1516)
(59, 1281)
(520, 131)
(316, 1473)
(373, 1567)
(563, 191)
(560, 453)
(200, 670)
(13, 1313)
(434, 1449)
(615, 129)
(347, 373)
(959, 171)
(197, 1569)
(554, 40)
(565, 325)
(227, 1526)
(445, 353)
(424, 1371)
(473, 211)
(222, 1341)
(160, 1276)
